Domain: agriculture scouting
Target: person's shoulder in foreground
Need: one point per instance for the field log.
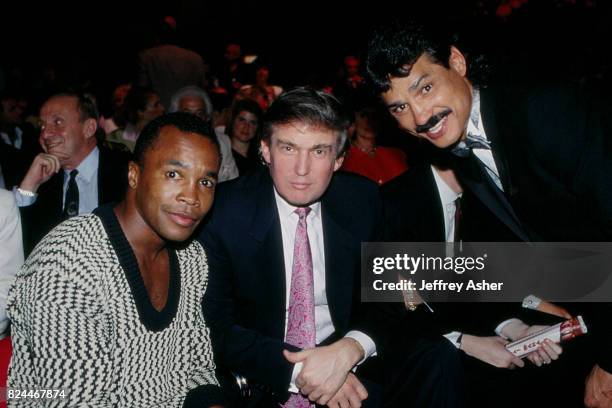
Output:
(108, 306)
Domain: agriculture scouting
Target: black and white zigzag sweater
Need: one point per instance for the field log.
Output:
(82, 322)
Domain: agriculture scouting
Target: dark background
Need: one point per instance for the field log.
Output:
(305, 41)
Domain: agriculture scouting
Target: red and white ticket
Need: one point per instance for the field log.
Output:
(558, 333)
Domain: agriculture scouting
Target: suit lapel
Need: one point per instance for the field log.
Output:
(488, 110)
(266, 231)
(112, 176)
(102, 188)
(338, 274)
(475, 177)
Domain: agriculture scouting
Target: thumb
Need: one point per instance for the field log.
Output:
(295, 357)
(501, 341)
(517, 361)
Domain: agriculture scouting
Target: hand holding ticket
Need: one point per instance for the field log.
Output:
(558, 333)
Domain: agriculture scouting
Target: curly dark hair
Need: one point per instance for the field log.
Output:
(394, 48)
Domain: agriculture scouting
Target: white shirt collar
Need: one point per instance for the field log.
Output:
(88, 168)
(474, 125)
(447, 195)
(286, 210)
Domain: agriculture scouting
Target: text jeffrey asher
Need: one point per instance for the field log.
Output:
(438, 285)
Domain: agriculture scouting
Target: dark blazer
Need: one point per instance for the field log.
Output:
(553, 150)
(413, 210)
(413, 213)
(42, 216)
(244, 304)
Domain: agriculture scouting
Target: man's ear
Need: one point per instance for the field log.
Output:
(265, 150)
(133, 174)
(457, 61)
(339, 160)
(89, 127)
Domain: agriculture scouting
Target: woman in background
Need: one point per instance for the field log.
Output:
(365, 157)
(243, 128)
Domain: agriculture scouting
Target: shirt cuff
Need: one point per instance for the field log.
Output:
(23, 200)
(500, 327)
(296, 371)
(365, 342)
(453, 337)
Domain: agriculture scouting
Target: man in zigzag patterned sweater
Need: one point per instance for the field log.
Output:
(107, 311)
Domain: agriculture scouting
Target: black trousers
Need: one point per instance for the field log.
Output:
(422, 373)
(261, 396)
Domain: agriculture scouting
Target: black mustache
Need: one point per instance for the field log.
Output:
(433, 121)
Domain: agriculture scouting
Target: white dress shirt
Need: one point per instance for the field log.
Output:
(87, 182)
(11, 250)
(323, 322)
(448, 199)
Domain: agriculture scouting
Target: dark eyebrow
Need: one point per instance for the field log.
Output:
(212, 174)
(412, 88)
(321, 146)
(178, 163)
(281, 141)
(394, 104)
(418, 81)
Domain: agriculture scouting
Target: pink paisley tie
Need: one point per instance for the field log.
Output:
(301, 319)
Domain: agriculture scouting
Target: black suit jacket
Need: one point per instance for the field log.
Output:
(244, 304)
(413, 209)
(413, 213)
(42, 216)
(553, 150)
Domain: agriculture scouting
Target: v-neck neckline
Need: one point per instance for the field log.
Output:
(150, 317)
